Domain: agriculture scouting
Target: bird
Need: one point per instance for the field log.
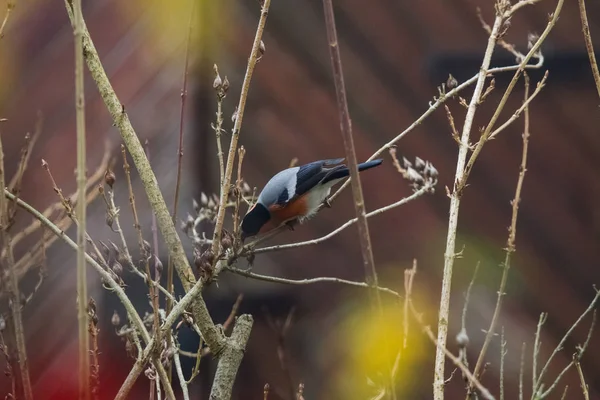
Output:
(295, 194)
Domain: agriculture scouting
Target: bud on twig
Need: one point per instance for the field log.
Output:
(451, 83)
(225, 86)
(462, 339)
(217, 83)
(109, 178)
(115, 319)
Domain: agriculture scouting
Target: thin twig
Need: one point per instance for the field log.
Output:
(536, 350)
(535, 48)
(584, 386)
(94, 352)
(502, 355)
(182, 381)
(463, 338)
(17, 179)
(235, 134)
(521, 371)
(524, 107)
(409, 276)
(143, 250)
(233, 312)
(82, 317)
(9, 370)
(170, 272)
(309, 281)
(564, 395)
(10, 5)
(588, 44)
(165, 223)
(450, 252)
(14, 292)
(218, 126)
(106, 276)
(415, 195)
(485, 393)
(350, 151)
(559, 347)
(512, 231)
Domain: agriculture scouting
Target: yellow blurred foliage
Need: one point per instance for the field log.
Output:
(167, 23)
(370, 343)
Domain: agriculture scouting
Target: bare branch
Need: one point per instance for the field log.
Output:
(559, 347)
(10, 5)
(310, 281)
(165, 223)
(331, 234)
(105, 274)
(82, 317)
(182, 381)
(14, 292)
(512, 230)
(235, 134)
(230, 361)
(589, 45)
(449, 255)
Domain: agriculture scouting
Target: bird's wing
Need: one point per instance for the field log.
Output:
(310, 175)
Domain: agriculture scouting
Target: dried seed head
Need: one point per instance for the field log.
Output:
(246, 188)
(147, 246)
(92, 306)
(115, 319)
(462, 339)
(532, 39)
(226, 242)
(203, 199)
(196, 206)
(117, 268)
(451, 82)
(109, 178)
(2, 323)
(414, 176)
(211, 203)
(419, 163)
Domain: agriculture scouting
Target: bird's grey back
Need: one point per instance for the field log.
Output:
(282, 184)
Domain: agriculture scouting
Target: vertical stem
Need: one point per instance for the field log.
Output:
(588, 44)
(84, 340)
(359, 202)
(449, 255)
(170, 271)
(235, 134)
(346, 129)
(15, 296)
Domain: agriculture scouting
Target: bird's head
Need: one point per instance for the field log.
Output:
(256, 218)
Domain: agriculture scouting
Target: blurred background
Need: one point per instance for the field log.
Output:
(395, 54)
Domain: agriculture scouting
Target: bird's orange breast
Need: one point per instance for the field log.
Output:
(294, 209)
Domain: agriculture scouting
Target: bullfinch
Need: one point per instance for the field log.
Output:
(295, 194)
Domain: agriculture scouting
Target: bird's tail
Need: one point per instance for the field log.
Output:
(343, 171)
